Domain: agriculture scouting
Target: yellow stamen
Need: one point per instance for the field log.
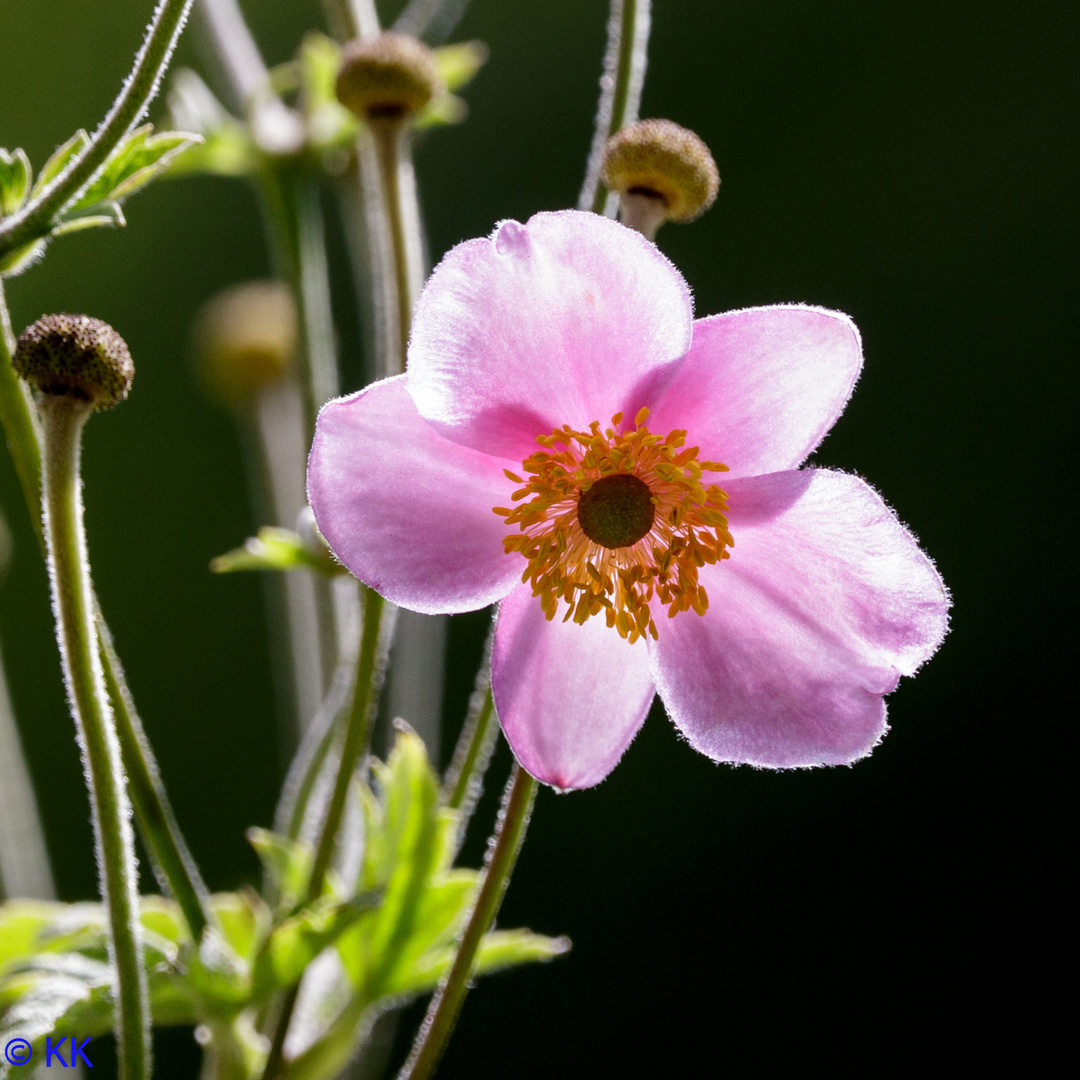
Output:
(689, 529)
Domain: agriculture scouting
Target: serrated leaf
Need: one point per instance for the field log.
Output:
(139, 158)
(459, 63)
(294, 943)
(409, 839)
(15, 176)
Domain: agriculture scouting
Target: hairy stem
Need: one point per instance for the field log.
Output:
(446, 1005)
(370, 667)
(352, 19)
(620, 94)
(392, 138)
(169, 853)
(152, 809)
(36, 218)
(73, 606)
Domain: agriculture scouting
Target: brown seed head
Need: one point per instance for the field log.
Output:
(246, 339)
(668, 162)
(391, 75)
(75, 356)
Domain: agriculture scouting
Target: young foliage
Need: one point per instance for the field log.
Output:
(391, 939)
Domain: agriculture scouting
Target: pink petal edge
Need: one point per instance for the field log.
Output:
(570, 697)
(408, 512)
(567, 319)
(825, 601)
(761, 387)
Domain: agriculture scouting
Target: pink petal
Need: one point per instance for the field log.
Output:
(567, 319)
(570, 698)
(825, 601)
(760, 388)
(409, 513)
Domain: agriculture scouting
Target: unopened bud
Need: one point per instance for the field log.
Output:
(391, 75)
(658, 160)
(246, 339)
(77, 357)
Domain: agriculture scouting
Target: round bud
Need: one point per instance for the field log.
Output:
(391, 75)
(657, 158)
(77, 357)
(246, 339)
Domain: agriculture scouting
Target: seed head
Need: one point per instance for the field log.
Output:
(75, 356)
(246, 339)
(391, 75)
(660, 159)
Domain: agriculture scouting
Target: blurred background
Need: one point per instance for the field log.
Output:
(913, 164)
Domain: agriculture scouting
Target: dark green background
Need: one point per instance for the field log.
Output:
(911, 163)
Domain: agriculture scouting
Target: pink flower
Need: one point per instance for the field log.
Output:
(625, 480)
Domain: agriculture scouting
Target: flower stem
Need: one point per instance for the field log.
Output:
(73, 605)
(391, 136)
(36, 218)
(370, 668)
(153, 812)
(169, 853)
(461, 785)
(352, 18)
(620, 95)
(446, 1005)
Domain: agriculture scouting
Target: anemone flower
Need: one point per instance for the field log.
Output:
(625, 481)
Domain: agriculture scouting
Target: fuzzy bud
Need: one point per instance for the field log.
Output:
(246, 339)
(391, 75)
(77, 357)
(659, 159)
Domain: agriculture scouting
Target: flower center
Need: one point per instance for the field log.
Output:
(616, 511)
(614, 519)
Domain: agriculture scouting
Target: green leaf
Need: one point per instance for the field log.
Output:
(277, 549)
(441, 110)
(220, 977)
(244, 921)
(459, 63)
(137, 160)
(104, 214)
(15, 174)
(294, 943)
(498, 950)
(287, 863)
(227, 149)
(406, 845)
(21, 259)
(60, 157)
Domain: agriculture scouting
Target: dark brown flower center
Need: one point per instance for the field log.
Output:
(616, 511)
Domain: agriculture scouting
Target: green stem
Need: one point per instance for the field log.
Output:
(20, 421)
(392, 138)
(153, 812)
(446, 1005)
(620, 96)
(73, 604)
(36, 218)
(370, 667)
(169, 853)
(352, 19)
